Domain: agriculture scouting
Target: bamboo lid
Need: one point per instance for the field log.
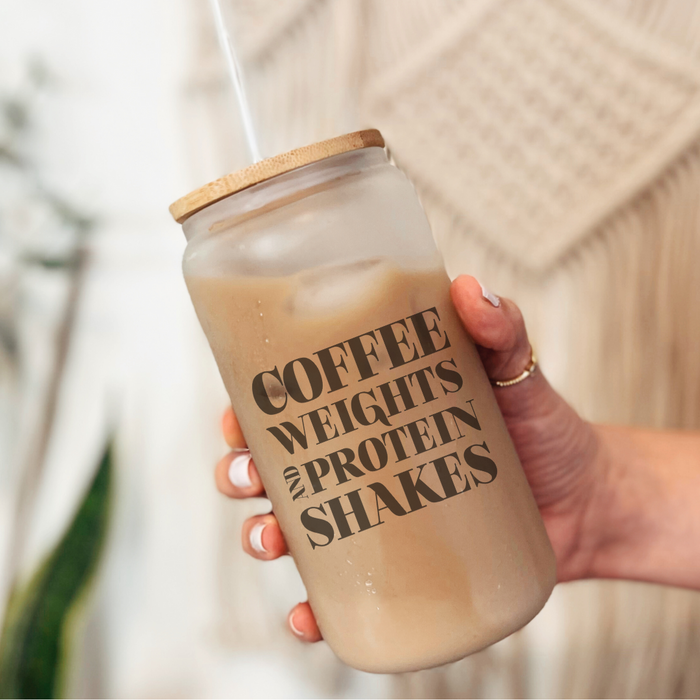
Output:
(212, 192)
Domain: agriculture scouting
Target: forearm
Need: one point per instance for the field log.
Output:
(647, 509)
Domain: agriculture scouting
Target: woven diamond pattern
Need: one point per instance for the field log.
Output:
(549, 115)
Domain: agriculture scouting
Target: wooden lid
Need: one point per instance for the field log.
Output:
(195, 201)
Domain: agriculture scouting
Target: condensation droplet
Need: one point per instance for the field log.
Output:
(368, 583)
(374, 590)
(348, 561)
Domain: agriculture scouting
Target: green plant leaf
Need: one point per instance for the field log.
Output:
(36, 633)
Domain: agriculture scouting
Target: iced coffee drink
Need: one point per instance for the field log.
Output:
(368, 412)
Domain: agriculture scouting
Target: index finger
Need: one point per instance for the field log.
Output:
(232, 431)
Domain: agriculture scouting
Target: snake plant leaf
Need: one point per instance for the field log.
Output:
(35, 642)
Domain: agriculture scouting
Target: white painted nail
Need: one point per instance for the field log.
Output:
(239, 472)
(489, 296)
(298, 633)
(256, 538)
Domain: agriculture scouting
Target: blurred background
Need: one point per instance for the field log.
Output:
(555, 145)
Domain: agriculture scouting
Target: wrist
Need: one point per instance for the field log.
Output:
(586, 514)
(623, 518)
(600, 533)
(645, 520)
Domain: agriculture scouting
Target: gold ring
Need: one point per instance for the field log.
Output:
(527, 372)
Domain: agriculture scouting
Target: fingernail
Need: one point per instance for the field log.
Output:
(239, 472)
(489, 296)
(256, 538)
(296, 631)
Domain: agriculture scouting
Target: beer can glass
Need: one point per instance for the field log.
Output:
(365, 405)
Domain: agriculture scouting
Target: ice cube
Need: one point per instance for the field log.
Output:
(329, 289)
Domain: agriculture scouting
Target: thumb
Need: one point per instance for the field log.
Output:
(497, 327)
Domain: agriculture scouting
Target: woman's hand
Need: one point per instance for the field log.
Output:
(559, 451)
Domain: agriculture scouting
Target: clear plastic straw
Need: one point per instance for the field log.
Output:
(235, 74)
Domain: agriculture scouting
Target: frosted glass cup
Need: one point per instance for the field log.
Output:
(365, 405)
